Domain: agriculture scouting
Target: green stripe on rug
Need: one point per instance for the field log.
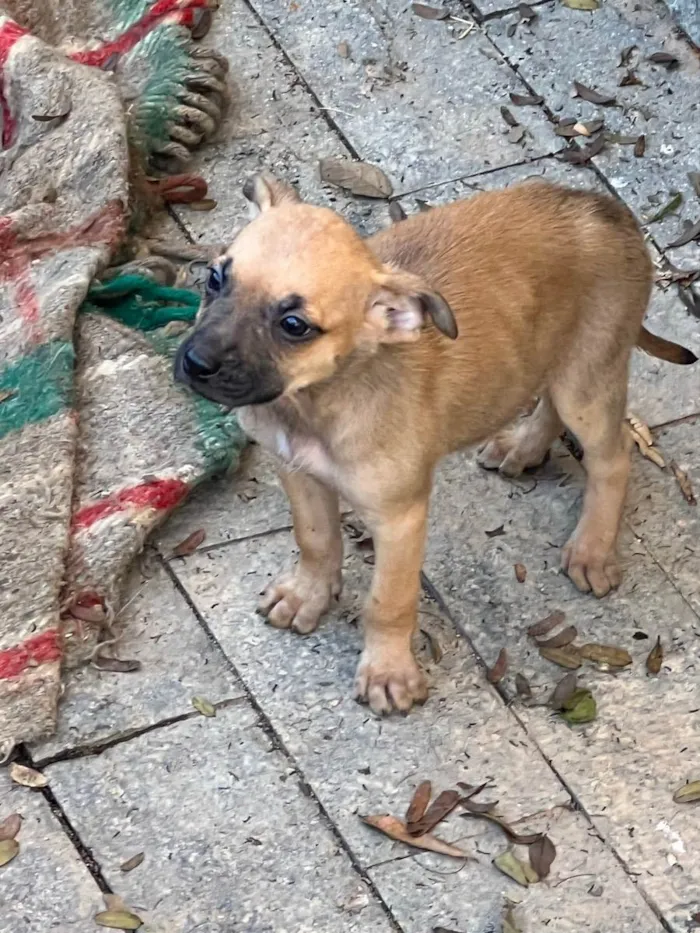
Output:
(36, 386)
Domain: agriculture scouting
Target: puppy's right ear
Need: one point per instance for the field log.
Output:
(264, 191)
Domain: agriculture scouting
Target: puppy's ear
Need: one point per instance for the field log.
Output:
(402, 304)
(264, 191)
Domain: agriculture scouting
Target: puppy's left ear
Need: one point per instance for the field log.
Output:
(401, 306)
(264, 191)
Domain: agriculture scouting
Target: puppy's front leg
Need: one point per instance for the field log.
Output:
(388, 676)
(298, 600)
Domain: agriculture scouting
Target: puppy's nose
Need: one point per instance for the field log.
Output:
(196, 367)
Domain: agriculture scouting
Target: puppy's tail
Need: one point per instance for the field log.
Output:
(665, 349)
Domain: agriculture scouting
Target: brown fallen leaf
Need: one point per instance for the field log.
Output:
(542, 853)
(496, 673)
(204, 707)
(118, 920)
(343, 49)
(688, 793)
(565, 637)
(360, 178)
(522, 685)
(205, 204)
(690, 233)
(419, 802)
(508, 117)
(526, 13)
(27, 777)
(116, 665)
(588, 129)
(547, 624)
(588, 5)
(190, 544)
(519, 839)
(495, 532)
(593, 96)
(48, 117)
(441, 807)
(567, 130)
(640, 147)
(670, 62)
(131, 863)
(684, 482)
(520, 572)
(655, 658)
(563, 691)
(8, 850)
(519, 871)
(569, 656)
(629, 78)
(577, 156)
(608, 655)
(694, 179)
(626, 55)
(473, 806)
(429, 12)
(396, 829)
(10, 826)
(525, 100)
(396, 212)
(670, 207)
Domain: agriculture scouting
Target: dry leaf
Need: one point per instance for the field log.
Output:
(118, 920)
(567, 130)
(593, 96)
(684, 482)
(694, 179)
(626, 55)
(116, 665)
(690, 300)
(520, 572)
(640, 147)
(479, 809)
(690, 233)
(508, 117)
(526, 13)
(8, 850)
(131, 863)
(565, 637)
(516, 134)
(656, 657)
(443, 805)
(563, 691)
(519, 871)
(542, 854)
(688, 793)
(582, 156)
(664, 58)
(509, 924)
(203, 706)
(588, 129)
(27, 777)
(547, 624)
(526, 100)
(496, 674)
(569, 656)
(610, 655)
(396, 212)
(10, 826)
(47, 117)
(495, 532)
(396, 829)
(190, 544)
(581, 707)
(419, 802)
(360, 178)
(429, 12)
(589, 5)
(522, 685)
(629, 78)
(343, 49)
(669, 208)
(434, 644)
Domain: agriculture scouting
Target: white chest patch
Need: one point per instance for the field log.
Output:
(297, 451)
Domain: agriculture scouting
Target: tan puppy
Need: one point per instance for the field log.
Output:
(360, 363)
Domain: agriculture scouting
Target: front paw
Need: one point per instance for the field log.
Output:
(590, 565)
(299, 599)
(388, 678)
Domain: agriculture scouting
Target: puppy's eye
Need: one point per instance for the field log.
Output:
(217, 279)
(294, 326)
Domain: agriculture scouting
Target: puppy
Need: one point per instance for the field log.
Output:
(360, 363)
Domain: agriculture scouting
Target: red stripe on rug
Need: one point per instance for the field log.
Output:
(37, 650)
(159, 494)
(175, 10)
(10, 33)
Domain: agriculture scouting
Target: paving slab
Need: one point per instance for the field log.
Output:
(46, 887)
(561, 46)
(231, 843)
(624, 767)
(178, 661)
(410, 95)
(357, 763)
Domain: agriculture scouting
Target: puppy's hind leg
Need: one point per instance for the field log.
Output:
(299, 599)
(594, 411)
(525, 443)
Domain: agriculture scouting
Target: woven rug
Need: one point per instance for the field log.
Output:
(96, 443)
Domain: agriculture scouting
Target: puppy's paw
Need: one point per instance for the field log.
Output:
(590, 566)
(510, 454)
(389, 680)
(299, 599)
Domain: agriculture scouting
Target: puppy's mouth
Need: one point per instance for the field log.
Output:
(231, 383)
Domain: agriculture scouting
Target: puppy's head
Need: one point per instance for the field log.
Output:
(295, 295)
